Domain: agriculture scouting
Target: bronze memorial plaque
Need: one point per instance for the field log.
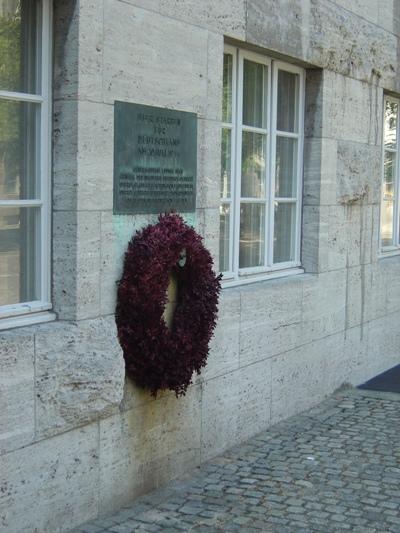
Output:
(155, 159)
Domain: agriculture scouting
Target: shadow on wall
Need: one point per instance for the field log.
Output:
(152, 441)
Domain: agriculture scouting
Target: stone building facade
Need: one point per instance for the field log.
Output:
(77, 439)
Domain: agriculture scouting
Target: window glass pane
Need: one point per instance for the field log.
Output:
(227, 89)
(19, 125)
(252, 235)
(389, 175)
(286, 167)
(254, 95)
(284, 232)
(287, 111)
(253, 165)
(387, 223)
(391, 109)
(18, 48)
(19, 242)
(224, 228)
(226, 163)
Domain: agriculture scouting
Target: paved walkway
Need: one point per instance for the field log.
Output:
(334, 468)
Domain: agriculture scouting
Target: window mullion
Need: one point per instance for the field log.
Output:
(238, 163)
(232, 229)
(273, 130)
(284, 200)
(45, 154)
(300, 152)
(21, 203)
(287, 134)
(396, 208)
(228, 130)
(381, 204)
(21, 97)
(253, 129)
(395, 200)
(268, 168)
(253, 200)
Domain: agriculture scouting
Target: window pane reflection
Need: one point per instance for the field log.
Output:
(18, 50)
(284, 232)
(226, 147)
(253, 165)
(252, 235)
(389, 175)
(391, 112)
(19, 239)
(287, 112)
(254, 94)
(224, 229)
(19, 125)
(387, 223)
(227, 89)
(286, 167)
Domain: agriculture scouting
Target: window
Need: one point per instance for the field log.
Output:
(390, 214)
(261, 165)
(24, 159)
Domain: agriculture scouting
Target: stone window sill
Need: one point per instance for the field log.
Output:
(26, 320)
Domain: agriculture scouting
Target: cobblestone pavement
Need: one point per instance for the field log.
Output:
(334, 468)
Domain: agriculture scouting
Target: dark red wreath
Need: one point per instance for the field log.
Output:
(157, 357)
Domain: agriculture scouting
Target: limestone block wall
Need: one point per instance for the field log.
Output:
(77, 440)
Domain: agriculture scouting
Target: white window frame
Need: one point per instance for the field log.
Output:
(237, 275)
(393, 249)
(37, 311)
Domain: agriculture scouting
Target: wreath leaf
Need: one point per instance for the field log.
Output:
(157, 358)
